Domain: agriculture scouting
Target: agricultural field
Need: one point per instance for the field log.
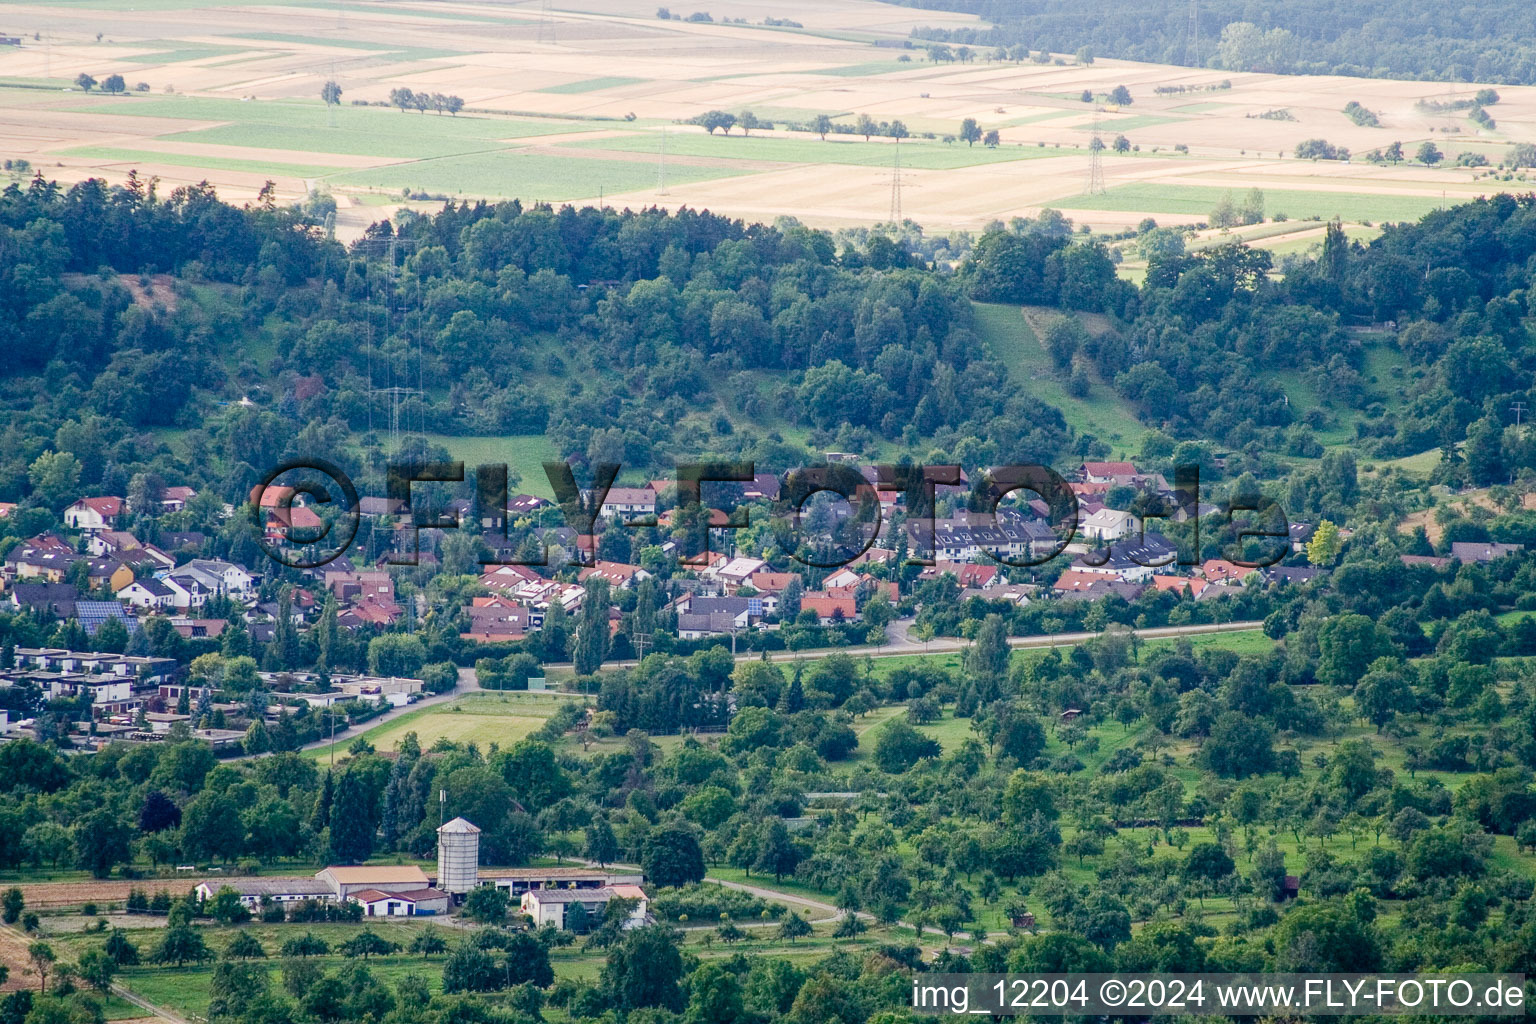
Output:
(238, 103)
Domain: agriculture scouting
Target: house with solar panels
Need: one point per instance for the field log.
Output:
(94, 614)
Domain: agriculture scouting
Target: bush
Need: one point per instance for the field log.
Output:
(710, 902)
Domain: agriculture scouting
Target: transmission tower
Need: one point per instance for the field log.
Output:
(396, 392)
(896, 184)
(1192, 34)
(546, 24)
(661, 166)
(1096, 158)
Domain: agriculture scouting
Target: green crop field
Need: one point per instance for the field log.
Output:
(1200, 199)
(510, 173)
(876, 67)
(1103, 413)
(143, 157)
(811, 150)
(174, 53)
(1125, 124)
(307, 125)
(591, 85)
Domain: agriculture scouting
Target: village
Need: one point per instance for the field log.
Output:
(108, 590)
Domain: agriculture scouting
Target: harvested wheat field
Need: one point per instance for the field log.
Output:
(594, 102)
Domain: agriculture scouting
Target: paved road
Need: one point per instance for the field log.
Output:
(903, 645)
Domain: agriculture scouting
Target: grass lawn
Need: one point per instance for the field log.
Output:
(1294, 203)
(809, 149)
(524, 455)
(1102, 413)
(528, 176)
(482, 718)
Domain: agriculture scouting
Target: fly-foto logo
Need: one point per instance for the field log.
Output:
(306, 512)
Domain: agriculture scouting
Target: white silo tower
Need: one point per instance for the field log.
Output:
(458, 857)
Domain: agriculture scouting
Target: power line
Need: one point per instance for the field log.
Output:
(1096, 157)
(661, 165)
(546, 24)
(1192, 34)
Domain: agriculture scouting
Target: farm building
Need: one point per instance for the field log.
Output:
(388, 878)
(549, 906)
(378, 903)
(520, 880)
(279, 890)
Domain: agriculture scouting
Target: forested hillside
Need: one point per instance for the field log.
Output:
(1479, 41)
(644, 337)
(1366, 742)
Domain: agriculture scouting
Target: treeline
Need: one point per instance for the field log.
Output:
(1481, 41)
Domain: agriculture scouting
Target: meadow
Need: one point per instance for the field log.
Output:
(1102, 412)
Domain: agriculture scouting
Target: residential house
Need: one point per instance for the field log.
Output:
(699, 617)
(626, 503)
(91, 515)
(174, 499)
(497, 620)
(1300, 534)
(1106, 472)
(107, 572)
(1297, 574)
(737, 572)
(1133, 560)
(193, 629)
(523, 505)
(191, 589)
(1180, 585)
(233, 580)
(149, 594)
(970, 576)
(831, 607)
(617, 575)
(1465, 551)
(1222, 572)
(764, 487)
(1076, 580)
(1107, 525)
(94, 614)
(110, 543)
(969, 535)
(56, 598)
(1433, 561)
(51, 564)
